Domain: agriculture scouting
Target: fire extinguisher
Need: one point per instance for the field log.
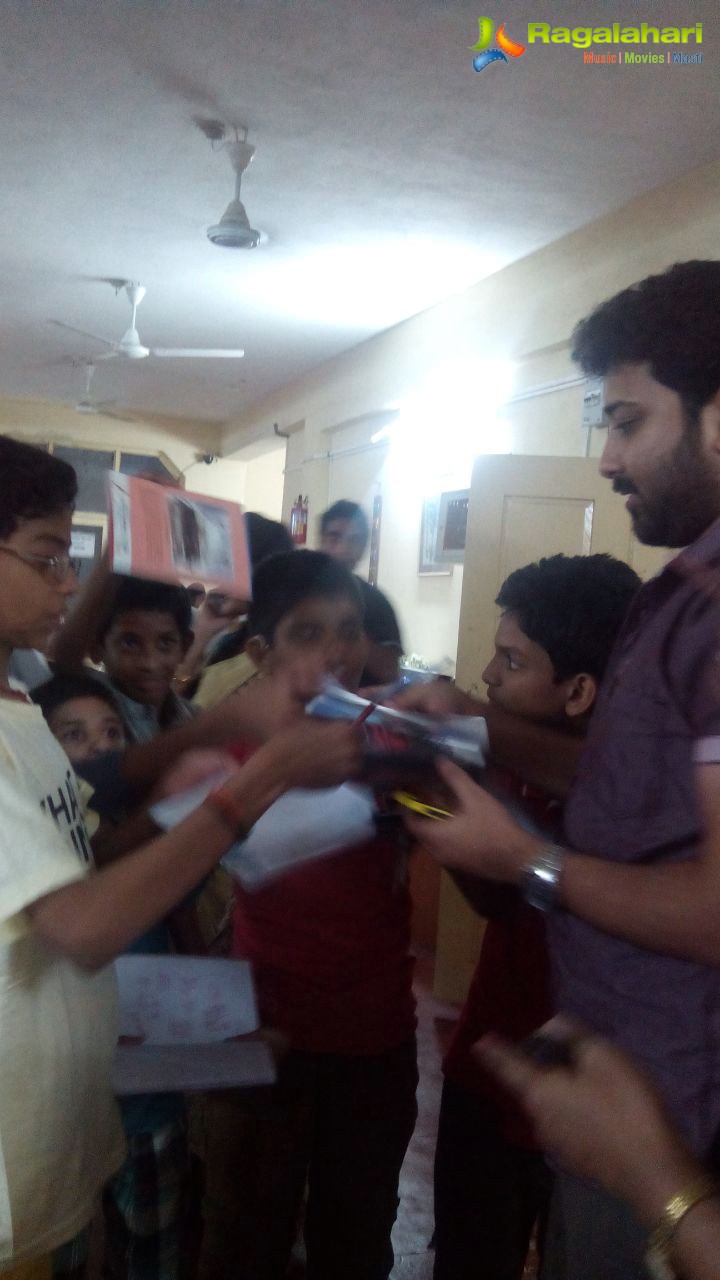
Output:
(299, 521)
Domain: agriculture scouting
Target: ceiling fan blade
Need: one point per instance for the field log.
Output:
(83, 333)
(116, 417)
(197, 353)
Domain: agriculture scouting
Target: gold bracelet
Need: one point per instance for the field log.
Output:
(657, 1258)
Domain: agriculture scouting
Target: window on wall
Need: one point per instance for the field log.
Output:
(91, 464)
(90, 467)
(134, 464)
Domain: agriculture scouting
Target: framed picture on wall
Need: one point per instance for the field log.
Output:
(86, 542)
(428, 566)
(452, 526)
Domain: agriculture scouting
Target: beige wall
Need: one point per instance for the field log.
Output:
(181, 441)
(43, 420)
(264, 482)
(524, 314)
(256, 482)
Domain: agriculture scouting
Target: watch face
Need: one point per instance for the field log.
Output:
(658, 1265)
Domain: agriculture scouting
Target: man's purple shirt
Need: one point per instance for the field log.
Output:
(635, 801)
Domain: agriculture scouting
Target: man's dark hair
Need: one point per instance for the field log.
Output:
(58, 690)
(344, 510)
(573, 607)
(669, 321)
(150, 597)
(265, 538)
(282, 582)
(33, 484)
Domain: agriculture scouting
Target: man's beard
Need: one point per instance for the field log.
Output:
(685, 497)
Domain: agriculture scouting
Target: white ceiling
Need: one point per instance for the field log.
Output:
(388, 174)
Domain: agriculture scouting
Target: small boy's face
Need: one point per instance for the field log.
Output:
(86, 728)
(345, 541)
(32, 599)
(520, 678)
(142, 651)
(323, 635)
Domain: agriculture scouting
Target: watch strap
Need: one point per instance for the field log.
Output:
(540, 882)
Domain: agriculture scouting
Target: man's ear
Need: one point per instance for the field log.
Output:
(581, 692)
(257, 649)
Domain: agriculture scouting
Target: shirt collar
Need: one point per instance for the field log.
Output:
(702, 550)
(173, 711)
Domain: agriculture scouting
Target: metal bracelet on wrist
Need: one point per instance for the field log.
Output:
(540, 883)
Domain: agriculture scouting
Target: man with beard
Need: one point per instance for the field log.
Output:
(633, 892)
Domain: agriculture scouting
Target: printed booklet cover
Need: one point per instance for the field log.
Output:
(174, 536)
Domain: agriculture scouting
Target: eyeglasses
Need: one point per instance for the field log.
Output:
(57, 568)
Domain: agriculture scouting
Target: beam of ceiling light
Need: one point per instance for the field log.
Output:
(455, 414)
(366, 286)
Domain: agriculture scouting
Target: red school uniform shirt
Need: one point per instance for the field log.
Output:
(329, 944)
(510, 992)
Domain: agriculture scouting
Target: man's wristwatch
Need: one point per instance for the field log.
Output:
(540, 883)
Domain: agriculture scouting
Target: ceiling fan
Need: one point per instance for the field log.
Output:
(87, 405)
(129, 346)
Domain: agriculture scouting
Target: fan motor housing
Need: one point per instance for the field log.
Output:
(233, 231)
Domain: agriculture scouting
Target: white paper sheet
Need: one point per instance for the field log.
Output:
(173, 809)
(299, 827)
(184, 1068)
(184, 1000)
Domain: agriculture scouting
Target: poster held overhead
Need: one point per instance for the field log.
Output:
(173, 536)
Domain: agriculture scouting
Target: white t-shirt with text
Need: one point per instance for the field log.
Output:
(60, 1137)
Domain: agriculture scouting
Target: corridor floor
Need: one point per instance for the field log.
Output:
(414, 1225)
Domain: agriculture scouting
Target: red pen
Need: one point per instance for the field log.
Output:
(366, 711)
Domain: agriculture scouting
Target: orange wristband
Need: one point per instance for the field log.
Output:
(230, 810)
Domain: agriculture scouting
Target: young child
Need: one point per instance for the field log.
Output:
(344, 535)
(140, 632)
(559, 622)
(143, 1202)
(215, 664)
(61, 923)
(83, 715)
(329, 946)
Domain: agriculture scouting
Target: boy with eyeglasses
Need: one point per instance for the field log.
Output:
(60, 923)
